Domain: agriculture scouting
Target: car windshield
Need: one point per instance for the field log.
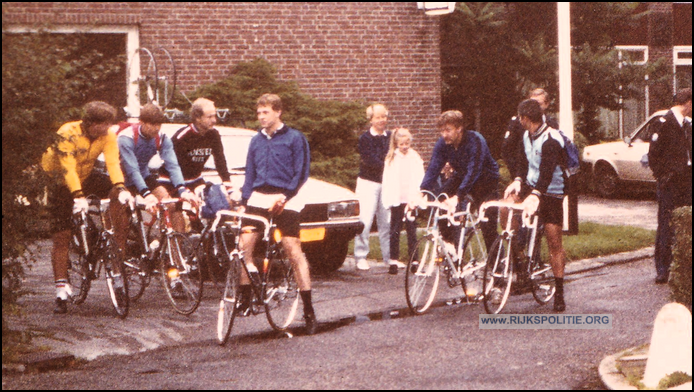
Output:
(645, 133)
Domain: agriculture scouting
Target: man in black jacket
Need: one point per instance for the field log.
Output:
(670, 159)
(512, 151)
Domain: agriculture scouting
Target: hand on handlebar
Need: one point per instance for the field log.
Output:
(80, 205)
(191, 198)
(530, 205)
(125, 197)
(513, 189)
(151, 204)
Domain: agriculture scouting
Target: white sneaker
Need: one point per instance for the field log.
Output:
(363, 265)
(399, 264)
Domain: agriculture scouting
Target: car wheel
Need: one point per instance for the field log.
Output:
(326, 256)
(606, 181)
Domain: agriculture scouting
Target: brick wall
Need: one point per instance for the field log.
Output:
(385, 52)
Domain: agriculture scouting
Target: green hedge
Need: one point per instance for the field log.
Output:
(681, 269)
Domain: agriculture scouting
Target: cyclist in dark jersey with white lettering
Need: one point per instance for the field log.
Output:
(195, 143)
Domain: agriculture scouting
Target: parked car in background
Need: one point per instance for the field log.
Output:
(620, 164)
(329, 220)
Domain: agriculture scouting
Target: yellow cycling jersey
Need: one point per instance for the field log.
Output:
(75, 155)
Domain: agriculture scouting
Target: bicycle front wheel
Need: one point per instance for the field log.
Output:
(180, 269)
(117, 283)
(227, 305)
(498, 276)
(541, 275)
(422, 276)
(78, 271)
(474, 260)
(281, 296)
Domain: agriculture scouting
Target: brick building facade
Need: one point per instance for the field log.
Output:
(385, 52)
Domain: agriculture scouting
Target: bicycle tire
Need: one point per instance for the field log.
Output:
(181, 274)
(217, 263)
(422, 276)
(136, 264)
(79, 274)
(227, 305)
(119, 299)
(474, 257)
(541, 275)
(498, 277)
(167, 74)
(281, 294)
(147, 81)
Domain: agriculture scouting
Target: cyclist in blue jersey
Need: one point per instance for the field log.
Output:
(542, 189)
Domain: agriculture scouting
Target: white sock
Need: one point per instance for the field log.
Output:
(63, 290)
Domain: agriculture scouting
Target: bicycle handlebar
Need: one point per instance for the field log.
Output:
(242, 215)
(528, 220)
(450, 214)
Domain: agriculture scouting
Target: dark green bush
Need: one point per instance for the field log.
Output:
(331, 127)
(681, 269)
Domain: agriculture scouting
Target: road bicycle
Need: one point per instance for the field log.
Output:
(274, 288)
(516, 249)
(167, 253)
(92, 247)
(433, 256)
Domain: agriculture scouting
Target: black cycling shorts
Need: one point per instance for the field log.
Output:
(288, 222)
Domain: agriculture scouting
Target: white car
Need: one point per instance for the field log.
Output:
(330, 218)
(623, 162)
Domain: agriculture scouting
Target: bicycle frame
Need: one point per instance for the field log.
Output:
(469, 224)
(528, 222)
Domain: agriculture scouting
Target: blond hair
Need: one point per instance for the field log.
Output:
(395, 138)
(370, 110)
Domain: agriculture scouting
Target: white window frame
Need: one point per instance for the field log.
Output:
(622, 62)
(132, 33)
(677, 61)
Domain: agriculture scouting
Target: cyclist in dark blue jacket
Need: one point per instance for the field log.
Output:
(277, 166)
(476, 171)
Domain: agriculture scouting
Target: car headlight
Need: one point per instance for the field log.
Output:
(343, 210)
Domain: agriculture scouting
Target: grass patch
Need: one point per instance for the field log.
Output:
(592, 240)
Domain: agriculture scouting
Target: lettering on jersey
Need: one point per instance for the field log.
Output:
(200, 155)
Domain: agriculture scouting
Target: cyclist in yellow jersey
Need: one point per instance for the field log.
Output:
(72, 159)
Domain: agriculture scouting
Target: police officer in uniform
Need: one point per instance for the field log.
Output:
(670, 159)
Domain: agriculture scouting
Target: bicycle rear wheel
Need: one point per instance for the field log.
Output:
(281, 296)
(180, 269)
(422, 276)
(117, 286)
(227, 305)
(78, 271)
(498, 276)
(541, 275)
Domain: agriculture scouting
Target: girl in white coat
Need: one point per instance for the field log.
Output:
(402, 175)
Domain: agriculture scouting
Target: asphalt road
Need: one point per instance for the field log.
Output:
(443, 349)
(363, 343)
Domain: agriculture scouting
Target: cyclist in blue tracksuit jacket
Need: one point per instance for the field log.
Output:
(476, 171)
(277, 166)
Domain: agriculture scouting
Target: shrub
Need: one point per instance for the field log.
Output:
(331, 127)
(681, 269)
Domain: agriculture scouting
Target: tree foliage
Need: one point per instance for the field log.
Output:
(46, 79)
(494, 54)
(331, 127)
